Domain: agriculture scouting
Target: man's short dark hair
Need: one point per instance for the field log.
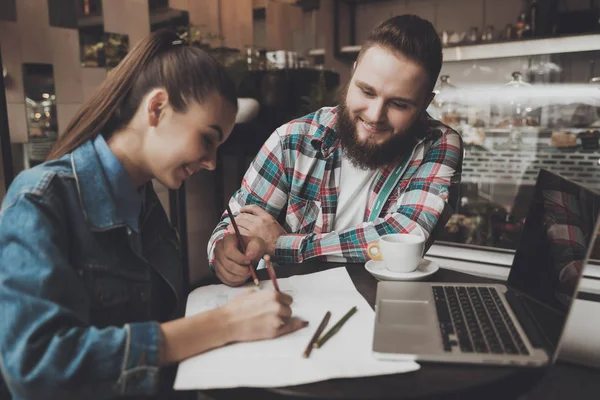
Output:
(411, 36)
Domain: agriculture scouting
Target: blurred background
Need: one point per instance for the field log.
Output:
(520, 82)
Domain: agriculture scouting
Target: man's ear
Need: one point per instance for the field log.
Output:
(429, 99)
(156, 103)
(426, 105)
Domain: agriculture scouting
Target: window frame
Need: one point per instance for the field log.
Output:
(495, 263)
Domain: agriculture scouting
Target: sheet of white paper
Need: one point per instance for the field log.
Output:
(279, 362)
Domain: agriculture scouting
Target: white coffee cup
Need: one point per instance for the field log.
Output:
(400, 252)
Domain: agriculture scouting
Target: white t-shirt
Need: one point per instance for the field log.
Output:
(353, 197)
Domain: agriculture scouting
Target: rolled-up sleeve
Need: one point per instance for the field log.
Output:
(48, 348)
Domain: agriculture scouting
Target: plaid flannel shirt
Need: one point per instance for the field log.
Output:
(295, 177)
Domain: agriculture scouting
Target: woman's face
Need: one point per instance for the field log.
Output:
(181, 144)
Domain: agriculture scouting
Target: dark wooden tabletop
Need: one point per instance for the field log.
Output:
(433, 380)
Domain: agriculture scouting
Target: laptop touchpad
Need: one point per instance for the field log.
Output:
(401, 312)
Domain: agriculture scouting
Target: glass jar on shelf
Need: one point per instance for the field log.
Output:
(518, 104)
(444, 106)
(514, 111)
(586, 114)
(596, 81)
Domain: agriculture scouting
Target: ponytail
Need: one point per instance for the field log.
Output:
(159, 60)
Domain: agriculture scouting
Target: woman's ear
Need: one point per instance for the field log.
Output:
(156, 104)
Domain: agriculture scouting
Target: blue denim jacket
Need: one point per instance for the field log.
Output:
(75, 284)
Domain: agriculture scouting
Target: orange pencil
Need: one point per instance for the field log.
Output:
(242, 246)
(271, 271)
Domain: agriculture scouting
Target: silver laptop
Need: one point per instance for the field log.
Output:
(519, 323)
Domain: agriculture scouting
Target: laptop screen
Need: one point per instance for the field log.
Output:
(557, 239)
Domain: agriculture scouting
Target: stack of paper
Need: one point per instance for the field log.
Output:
(279, 362)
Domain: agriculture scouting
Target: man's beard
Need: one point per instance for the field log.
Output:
(366, 155)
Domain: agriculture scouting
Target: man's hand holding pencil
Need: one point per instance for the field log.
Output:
(236, 256)
(231, 264)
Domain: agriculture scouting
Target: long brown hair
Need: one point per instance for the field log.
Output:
(160, 60)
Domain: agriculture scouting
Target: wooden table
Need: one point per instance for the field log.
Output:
(433, 380)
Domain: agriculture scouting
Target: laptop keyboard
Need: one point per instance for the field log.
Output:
(475, 319)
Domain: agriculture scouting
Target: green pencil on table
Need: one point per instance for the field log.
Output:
(321, 341)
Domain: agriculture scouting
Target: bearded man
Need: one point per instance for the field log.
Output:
(343, 176)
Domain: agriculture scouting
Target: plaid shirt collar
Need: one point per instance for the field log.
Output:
(325, 137)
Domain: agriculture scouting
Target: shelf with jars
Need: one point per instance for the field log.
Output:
(538, 28)
(525, 47)
(512, 48)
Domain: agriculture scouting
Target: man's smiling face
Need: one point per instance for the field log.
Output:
(383, 103)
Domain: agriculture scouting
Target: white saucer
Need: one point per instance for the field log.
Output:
(379, 271)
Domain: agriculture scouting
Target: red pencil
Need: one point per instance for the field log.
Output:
(271, 271)
(317, 334)
(242, 246)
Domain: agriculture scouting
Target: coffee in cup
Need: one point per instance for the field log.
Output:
(400, 252)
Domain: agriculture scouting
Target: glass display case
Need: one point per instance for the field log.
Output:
(510, 131)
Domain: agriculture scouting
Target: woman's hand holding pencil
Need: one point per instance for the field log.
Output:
(260, 314)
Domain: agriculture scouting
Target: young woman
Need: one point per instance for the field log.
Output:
(89, 264)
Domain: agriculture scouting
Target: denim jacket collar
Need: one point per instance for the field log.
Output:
(95, 198)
